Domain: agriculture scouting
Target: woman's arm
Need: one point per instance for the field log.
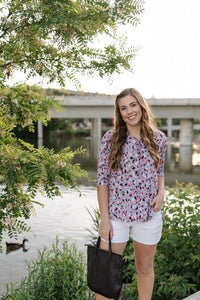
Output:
(105, 225)
(158, 200)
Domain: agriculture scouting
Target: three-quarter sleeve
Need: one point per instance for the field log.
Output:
(162, 141)
(103, 171)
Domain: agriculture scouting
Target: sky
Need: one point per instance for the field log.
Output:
(168, 62)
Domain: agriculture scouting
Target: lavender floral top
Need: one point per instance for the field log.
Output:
(134, 186)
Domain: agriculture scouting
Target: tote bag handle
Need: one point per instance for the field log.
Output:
(99, 240)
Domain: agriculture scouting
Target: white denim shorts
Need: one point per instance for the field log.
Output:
(148, 233)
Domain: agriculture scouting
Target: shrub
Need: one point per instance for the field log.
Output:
(177, 261)
(55, 274)
(95, 216)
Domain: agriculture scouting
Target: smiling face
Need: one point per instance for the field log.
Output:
(131, 112)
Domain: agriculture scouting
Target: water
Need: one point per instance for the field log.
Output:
(88, 160)
(67, 216)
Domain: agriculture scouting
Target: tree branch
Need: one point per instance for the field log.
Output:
(12, 63)
(9, 14)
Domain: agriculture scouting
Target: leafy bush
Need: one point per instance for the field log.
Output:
(55, 274)
(177, 261)
(95, 216)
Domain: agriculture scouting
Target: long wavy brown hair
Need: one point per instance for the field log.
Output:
(120, 131)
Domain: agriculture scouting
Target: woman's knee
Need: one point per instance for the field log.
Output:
(144, 268)
(144, 257)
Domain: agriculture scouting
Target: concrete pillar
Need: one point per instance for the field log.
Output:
(96, 128)
(186, 132)
(186, 147)
(169, 160)
(169, 128)
(95, 137)
(40, 133)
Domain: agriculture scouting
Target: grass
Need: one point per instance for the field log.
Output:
(58, 273)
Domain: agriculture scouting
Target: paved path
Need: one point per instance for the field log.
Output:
(195, 296)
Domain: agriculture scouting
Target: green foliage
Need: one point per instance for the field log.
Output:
(58, 273)
(95, 216)
(22, 105)
(55, 39)
(158, 123)
(177, 260)
(25, 170)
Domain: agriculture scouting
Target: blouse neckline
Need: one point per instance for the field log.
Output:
(132, 136)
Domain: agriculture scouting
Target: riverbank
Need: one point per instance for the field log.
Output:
(65, 217)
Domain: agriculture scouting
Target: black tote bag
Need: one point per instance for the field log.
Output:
(104, 271)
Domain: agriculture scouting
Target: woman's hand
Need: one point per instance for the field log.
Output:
(104, 229)
(157, 202)
(105, 225)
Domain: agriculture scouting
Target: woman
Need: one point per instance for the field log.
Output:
(130, 185)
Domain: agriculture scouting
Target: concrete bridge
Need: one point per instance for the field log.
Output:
(98, 107)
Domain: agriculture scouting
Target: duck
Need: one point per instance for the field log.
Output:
(15, 246)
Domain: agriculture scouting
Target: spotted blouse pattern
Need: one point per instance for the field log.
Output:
(134, 186)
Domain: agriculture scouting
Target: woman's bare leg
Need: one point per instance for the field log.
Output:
(144, 257)
(116, 248)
